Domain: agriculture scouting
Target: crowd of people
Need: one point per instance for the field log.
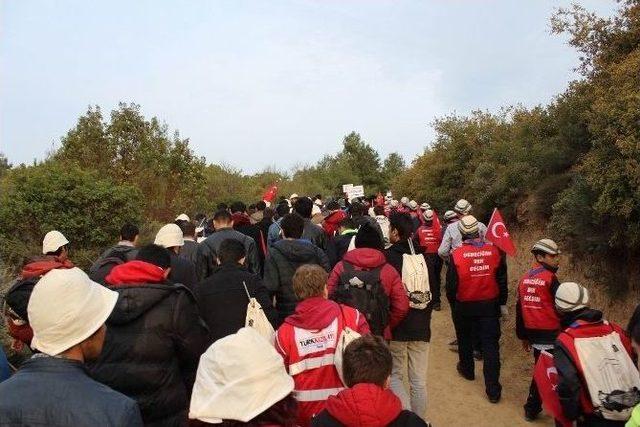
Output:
(306, 313)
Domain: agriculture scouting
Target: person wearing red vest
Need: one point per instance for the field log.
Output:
(537, 321)
(480, 288)
(308, 338)
(430, 238)
(578, 321)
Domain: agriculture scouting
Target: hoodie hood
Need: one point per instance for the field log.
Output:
(135, 300)
(336, 217)
(364, 405)
(299, 250)
(365, 258)
(135, 273)
(240, 219)
(314, 313)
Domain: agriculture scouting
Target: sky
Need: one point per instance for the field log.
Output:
(257, 84)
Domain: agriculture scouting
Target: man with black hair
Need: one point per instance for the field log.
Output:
(360, 216)
(155, 337)
(189, 249)
(223, 296)
(242, 223)
(312, 232)
(366, 365)
(342, 241)
(208, 249)
(124, 251)
(284, 258)
(275, 231)
(410, 342)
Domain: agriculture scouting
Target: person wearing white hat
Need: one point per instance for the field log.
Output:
(416, 215)
(479, 288)
(183, 270)
(537, 321)
(429, 236)
(54, 248)
(68, 313)
(242, 378)
(154, 338)
(182, 217)
(452, 238)
(594, 362)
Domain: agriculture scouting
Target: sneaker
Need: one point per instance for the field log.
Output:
(437, 306)
(453, 343)
(463, 375)
(494, 399)
(477, 354)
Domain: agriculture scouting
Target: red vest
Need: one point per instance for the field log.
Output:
(476, 265)
(429, 239)
(309, 358)
(583, 329)
(536, 301)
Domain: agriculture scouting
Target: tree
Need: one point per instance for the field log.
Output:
(5, 166)
(363, 160)
(392, 168)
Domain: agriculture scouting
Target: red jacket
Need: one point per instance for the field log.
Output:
(307, 341)
(366, 259)
(365, 405)
(332, 222)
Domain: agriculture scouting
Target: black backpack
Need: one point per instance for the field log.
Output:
(102, 267)
(363, 290)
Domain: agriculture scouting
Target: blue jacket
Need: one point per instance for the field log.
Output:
(49, 391)
(4, 366)
(274, 233)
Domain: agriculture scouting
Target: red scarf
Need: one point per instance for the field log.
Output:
(135, 273)
(42, 266)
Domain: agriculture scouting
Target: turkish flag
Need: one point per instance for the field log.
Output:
(498, 234)
(545, 375)
(437, 226)
(270, 194)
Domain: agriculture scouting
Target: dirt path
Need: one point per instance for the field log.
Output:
(455, 402)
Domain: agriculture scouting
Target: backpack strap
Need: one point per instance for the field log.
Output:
(413, 251)
(246, 290)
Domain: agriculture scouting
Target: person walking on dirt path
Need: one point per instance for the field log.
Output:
(429, 239)
(183, 271)
(479, 286)
(537, 321)
(312, 232)
(598, 382)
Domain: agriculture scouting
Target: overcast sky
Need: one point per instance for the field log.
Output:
(274, 83)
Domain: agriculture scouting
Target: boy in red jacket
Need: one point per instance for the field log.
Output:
(368, 400)
(308, 338)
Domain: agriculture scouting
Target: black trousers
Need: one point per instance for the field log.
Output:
(534, 403)
(488, 332)
(434, 265)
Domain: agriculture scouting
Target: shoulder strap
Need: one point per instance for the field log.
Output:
(413, 251)
(246, 290)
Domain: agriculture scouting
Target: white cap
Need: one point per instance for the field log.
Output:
(425, 206)
(394, 203)
(413, 205)
(169, 235)
(66, 308)
(294, 196)
(239, 377)
(53, 241)
(571, 296)
(547, 246)
(318, 202)
(428, 215)
(182, 217)
(463, 207)
(404, 200)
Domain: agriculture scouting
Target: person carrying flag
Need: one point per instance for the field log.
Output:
(537, 321)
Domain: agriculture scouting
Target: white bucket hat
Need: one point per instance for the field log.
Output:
(53, 241)
(428, 215)
(425, 206)
(571, 296)
(66, 308)
(468, 225)
(463, 207)
(404, 200)
(547, 246)
(239, 377)
(413, 205)
(169, 235)
(183, 217)
(449, 215)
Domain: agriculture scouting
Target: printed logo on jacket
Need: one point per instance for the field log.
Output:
(309, 342)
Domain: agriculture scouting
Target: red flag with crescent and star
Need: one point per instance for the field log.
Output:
(545, 375)
(498, 234)
(270, 194)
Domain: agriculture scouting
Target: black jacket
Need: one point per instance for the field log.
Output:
(208, 250)
(49, 391)
(155, 337)
(254, 232)
(337, 246)
(537, 336)
(125, 251)
(183, 271)
(315, 234)
(569, 380)
(405, 419)
(223, 300)
(416, 326)
(479, 308)
(189, 251)
(285, 256)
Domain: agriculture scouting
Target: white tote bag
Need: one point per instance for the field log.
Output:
(346, 336)
(256, 318)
